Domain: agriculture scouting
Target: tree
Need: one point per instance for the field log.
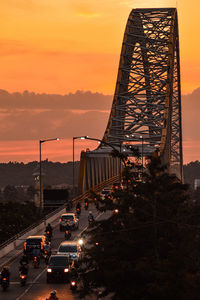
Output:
(148, 250)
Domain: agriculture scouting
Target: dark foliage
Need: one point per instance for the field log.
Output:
(15, 217)
(149, 249)
(16, 174)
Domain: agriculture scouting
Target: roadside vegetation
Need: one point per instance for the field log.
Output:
(148, 248)
(16, 216)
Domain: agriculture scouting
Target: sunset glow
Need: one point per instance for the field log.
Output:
(59, 47)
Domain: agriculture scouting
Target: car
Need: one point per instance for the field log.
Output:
(58, 268)
(105, 194)
(71, 249)
(34, 242)
(117, 186)
(69, 219)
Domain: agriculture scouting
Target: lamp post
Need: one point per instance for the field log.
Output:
(75, 138)
(141, 137)
(40, 148)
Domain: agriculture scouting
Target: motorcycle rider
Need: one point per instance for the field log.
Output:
(23, 269)
(36, 253)
(78, 208)
(5, 273)
(49, 228)
(24, 260)
(90, 217)
(47, 249)
(67, 232)
(86, 203)
(52, 296)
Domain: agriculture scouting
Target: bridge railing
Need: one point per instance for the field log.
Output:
(17, 239)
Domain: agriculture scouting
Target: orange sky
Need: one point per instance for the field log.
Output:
(62, 46)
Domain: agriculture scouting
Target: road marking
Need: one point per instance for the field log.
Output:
(34, 281)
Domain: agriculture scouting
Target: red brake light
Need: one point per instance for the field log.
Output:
(60, 219)
(25, 245)
(42, 246)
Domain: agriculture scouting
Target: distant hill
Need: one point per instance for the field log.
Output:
(14, 173)
(191, 171)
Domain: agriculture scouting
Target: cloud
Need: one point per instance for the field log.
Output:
(79, 100)
(34, 116)
(190, 116)
(29, 116)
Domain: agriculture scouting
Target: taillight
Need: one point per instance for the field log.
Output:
(25, 245)
(42, 246)
(4, 279)
(74, 220)
(22, 276)
(60, 220)
(48, 232)
(35, 258)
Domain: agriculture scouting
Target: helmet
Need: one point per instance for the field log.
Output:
(53, 293)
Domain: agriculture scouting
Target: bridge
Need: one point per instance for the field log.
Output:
(145, 113)
(146, 108)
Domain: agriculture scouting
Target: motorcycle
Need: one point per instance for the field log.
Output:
(78, 211)
(46, 256)
(73, 285)
(36, 262)
(48, 235)
(67, 235)
(86, 205)
(4, 283)
(90, 221)
(23, 279)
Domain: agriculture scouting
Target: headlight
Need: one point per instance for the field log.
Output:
(49, 270)
(66, 270)
(80, 242)
(73, 283)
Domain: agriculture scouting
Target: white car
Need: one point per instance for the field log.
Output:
(68, 219)
(71, 249)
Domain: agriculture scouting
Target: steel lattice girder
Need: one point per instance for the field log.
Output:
(147, 99)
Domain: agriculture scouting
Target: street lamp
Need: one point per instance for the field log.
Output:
(75, 138)
(40, 144)
(141, 137)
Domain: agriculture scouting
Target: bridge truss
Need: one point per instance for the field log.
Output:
(147, 100)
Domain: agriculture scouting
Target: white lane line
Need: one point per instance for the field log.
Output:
(34, 281)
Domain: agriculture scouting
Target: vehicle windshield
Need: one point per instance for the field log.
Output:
(70, 217)
(68, 248)
(105, 192)
(34, 241)
(58, 261)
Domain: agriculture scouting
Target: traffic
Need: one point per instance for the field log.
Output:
(52, 256)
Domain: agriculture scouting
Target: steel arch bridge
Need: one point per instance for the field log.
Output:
(146, 108)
